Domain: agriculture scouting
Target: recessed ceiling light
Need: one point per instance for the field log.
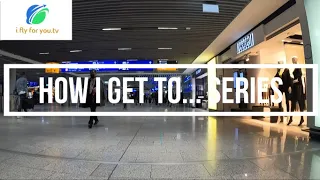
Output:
(210, 8)
(165, 48)
(167, 28)
(111, 29)
(44, 53)
(188, 28)
(124, 49)
(75, 51)
(163, 59)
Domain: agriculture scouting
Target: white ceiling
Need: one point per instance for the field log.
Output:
(254, 13)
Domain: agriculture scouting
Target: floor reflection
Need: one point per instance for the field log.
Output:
(203, 147)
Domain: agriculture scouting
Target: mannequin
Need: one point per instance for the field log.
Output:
(284, 74)
(296, 90)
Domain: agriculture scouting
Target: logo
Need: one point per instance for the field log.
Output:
(36, 14)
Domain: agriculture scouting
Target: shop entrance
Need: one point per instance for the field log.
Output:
(285, 47)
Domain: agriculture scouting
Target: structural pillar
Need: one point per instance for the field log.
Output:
(193, 95)
(13, 78)
(212, 86)
(310, 25)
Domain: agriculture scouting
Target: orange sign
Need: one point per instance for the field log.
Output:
(167, 69)
(52, 70)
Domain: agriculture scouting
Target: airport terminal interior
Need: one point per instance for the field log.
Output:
(134, 144)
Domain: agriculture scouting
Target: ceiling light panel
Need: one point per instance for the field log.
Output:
(111, 29)
(124, 49)
(210, 8)
(164, 48)
(167, 28)
(75, 51)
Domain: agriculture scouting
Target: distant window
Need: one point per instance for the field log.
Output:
(210, 8)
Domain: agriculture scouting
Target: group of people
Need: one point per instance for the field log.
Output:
(293, 90)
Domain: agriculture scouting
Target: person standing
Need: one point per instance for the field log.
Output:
(296, 91)
(284, 74)
(91, 97)
(22, 92)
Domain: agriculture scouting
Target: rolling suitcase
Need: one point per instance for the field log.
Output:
(29, 103)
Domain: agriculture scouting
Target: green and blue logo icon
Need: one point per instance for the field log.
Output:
(36, 14)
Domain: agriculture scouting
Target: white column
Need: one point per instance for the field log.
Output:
(310, 25)
(193, 96)
(212, 95)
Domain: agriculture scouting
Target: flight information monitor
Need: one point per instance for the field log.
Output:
(85, 70)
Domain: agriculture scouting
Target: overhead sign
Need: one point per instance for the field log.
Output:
(52, 70)
(166, 69)
(133, 61)
(36, 20)
(245, 43)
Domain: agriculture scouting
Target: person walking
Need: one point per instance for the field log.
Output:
(91, 97)
(21, 90)
(125, 105)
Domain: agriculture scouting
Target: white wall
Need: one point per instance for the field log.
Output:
(271, 55)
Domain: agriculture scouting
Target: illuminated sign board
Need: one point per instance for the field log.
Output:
(52, 70)
(245, 43)
(85, 70)
(167, 69)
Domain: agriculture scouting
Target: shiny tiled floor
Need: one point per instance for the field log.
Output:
(154, 148)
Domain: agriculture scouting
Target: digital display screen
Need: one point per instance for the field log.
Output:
(66, 70)
(32, 84)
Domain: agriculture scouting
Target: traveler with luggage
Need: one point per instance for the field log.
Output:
(21, 90)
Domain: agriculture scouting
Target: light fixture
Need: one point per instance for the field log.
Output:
(111, 29)
(188, 28)
(44, 53)
(164, 48)
(301, 42)
(163, 59)
(75, 51)
(210, 8)
(124, 49)
(167, 28)
(248, 59)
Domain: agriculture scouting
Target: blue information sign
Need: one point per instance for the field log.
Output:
(65, 70)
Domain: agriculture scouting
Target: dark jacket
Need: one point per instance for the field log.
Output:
(91, 98)
(297, 88)
(286, 79)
